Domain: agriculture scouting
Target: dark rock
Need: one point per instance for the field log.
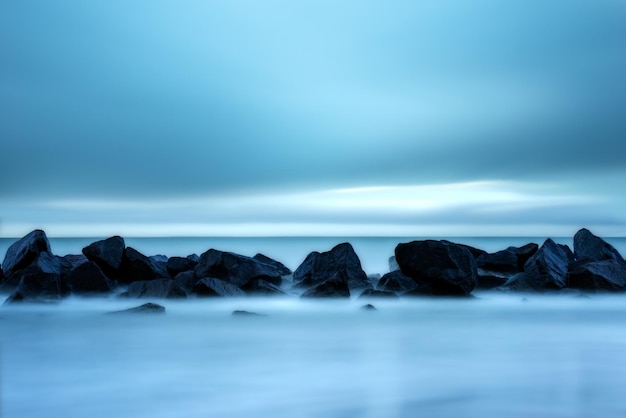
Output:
(422, 290)
(604, 275)
(395, 281)
(233, 268)
(216, 287)
(159, 258)
(194, 257)
(319, 267)
(108, 254)
(280, 267)
(258, 286)
(371, 293)
(24, 251)
(157, 288)
(487, 280)
(145, 308)
(568, 253)
(511, 260)
(335, 287)
(186, 280)
(449, 268)
(88, 278)
(70, 262)
(40, 281)
(393, 264)
(368, 307)
(246, 313)
(546, 270)
(476, 252)
(136, 266)
(177, 265)
(588, 247)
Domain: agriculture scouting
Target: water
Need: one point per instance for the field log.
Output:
(498, 355)
(374, 252)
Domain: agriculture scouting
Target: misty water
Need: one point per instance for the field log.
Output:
(497, 354)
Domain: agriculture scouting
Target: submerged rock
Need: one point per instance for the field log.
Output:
(24, 251)
(319, 267)
(210, 286)
(88, 278)
(368, 307)
(246, 313)
(335, 287)
(108, 254)
(158, 288)
(234, 268)
(145, 308)
(450, 269)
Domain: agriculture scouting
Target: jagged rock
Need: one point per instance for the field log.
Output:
(486, 280)
(88, 278)
(246, 313)
(108, 254)
(280, 267)
(186, 280)
(397, 282)
(233, 268)
(393, 264)
(215, 287)
(40, 281)
(568, 253)
(24, 251)
(604, 275)
(449, 268)
(334, 287)
(319, 267)
(258, 286)
(157, 288)
(371, 293)
(177, 265)
(476, 252)
(145, 308)
(510, 260)
(545, 270)
(588, 247)
(70, 262)
(136, 266)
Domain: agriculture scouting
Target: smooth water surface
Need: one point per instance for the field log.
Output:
(497, 355)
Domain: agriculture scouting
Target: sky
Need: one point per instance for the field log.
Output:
(248, 118)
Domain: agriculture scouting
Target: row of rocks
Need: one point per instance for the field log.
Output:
(31, 272)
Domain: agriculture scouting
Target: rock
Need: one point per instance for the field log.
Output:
(258, 286)
(588, 247)
(449, 268)
(70, 262)
(334, 287)
(136, 266)
(233, 268)
(280, 267)
(159, 258)
(88, 278)
(40, 281)
(487, 280)
(511, 260)
(604, 275)
(194, 257)
(368, 307)
(395, 281)
(246, 313)
(545, 270)
(24, 251)
(393, 264)
(319, 267)
(157, 288)
(177, 265)
(145, 308)
(108, 254)
(371, 293)
(209, 286)
(186, 280)
(476, 252)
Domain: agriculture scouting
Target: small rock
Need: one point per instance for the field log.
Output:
(145, 308)
(246, 313)
(368, 307)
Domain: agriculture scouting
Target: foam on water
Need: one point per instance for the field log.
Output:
(498, 355)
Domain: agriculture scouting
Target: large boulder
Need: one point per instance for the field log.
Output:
(210, 286)
(158, 288)
(396, 282)
(136, 266)
(257, 286)
(588, 247)
(511, 259)
(177, 265)
(40, 281)
(70, 262)
(605, 275)
(24, 251)
(545, 270)
(280, 267)
(186, 280)
(107, 254)
(319, 267)
(233, 268)
(87, 278)
(450, 269)
(334, 287)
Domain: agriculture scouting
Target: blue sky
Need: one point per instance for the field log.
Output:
(314, 117)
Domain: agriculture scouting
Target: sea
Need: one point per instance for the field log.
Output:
(492, 355)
